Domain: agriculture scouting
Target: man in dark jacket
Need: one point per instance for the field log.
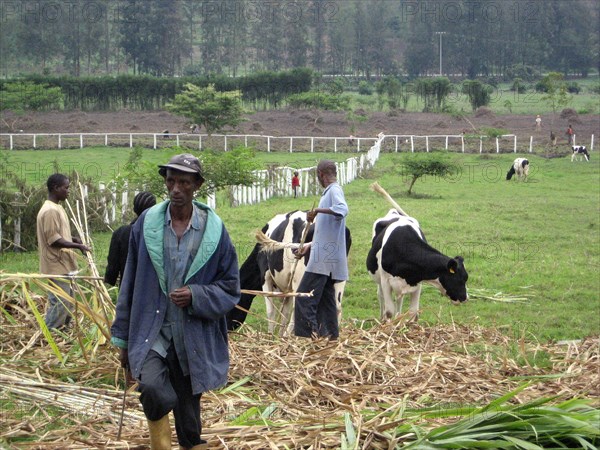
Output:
(180, 280)
(119, 242)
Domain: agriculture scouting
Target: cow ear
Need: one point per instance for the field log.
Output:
(452, 265)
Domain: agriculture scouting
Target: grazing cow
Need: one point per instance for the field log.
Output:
(579, 152)
(400, 259)
(519, 167)
(271, 272)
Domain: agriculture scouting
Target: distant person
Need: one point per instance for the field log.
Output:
(570, 133)
(553, 138)
(195, 128)
(295, 184)
(119, 243)
(538, 123)
(350, 140)
(54, 235)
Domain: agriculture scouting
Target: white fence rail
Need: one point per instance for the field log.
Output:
(406, 142)
(266, 143)
(278, 181)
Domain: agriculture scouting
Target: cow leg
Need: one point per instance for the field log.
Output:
(339, 294)
(389, 306)
(287, 307)
(381, 302)
(413, 309)
(272, 312)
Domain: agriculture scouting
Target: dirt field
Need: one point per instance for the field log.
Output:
(309, 123)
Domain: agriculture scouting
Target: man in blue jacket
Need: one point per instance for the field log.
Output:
(180, 280)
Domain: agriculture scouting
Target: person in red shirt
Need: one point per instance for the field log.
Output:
(295, 184)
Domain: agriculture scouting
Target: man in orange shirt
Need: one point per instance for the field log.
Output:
(54, 235)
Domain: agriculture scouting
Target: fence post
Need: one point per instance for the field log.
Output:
(396, 143)
(427, 143)
(334, 145)
(130, 140)
(154, 145)
(412, 143)
(225, 142)
(462, 143)
(17, 236)
(59, 140)
(80, 140)
(530, 144)
(480, 145)
(446, 142)
(592, 142)
(515, 142)
(200, 142)
(312, 144)
(268, 143)
(34, 141)
(10, 138)
(291, 144)
(106, 139)
(177, 139)
(497, 145)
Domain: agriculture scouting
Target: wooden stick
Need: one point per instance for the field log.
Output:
(123, 404)
(277, 294)
(377, 188)
(304, 234)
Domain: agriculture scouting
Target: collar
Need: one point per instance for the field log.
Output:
(194, 220)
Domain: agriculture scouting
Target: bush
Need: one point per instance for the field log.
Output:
(573, 87)
(319, 100)
(365, 88)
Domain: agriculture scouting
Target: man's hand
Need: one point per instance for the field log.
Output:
(300, 252)
(181, 297)
(124, 359)
(310, 215)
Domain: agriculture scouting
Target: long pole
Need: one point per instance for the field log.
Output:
(440, 34)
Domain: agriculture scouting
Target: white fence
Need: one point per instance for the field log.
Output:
(266, 143)
(278, 181)
(415, 143)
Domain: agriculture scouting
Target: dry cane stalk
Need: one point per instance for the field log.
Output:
(377, 188)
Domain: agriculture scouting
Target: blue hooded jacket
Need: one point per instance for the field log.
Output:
(215, 284)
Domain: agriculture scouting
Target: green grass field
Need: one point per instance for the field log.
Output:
(538, 239)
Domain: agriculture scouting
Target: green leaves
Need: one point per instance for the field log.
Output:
(531, 426)
(26, 95)
(208, 107)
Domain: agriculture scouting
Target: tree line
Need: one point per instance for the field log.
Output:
(367, 38)
(143, 92)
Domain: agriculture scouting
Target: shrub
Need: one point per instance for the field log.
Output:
(573, 87)
(365, 88)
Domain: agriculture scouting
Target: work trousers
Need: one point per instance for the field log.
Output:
(164, 388)
(59, 310)
(316, 315)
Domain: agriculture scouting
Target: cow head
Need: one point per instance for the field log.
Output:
(454, 280)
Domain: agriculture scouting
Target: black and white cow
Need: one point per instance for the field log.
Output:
(271, 272)
(400, 259)
(520, 167)
(580, 152)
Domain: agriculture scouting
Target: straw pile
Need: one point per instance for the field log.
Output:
(282, 392)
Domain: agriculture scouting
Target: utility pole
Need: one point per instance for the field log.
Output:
(440, 34)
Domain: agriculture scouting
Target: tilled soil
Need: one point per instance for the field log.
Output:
(294, 122)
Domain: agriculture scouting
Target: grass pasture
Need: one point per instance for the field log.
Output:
(379, 386)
